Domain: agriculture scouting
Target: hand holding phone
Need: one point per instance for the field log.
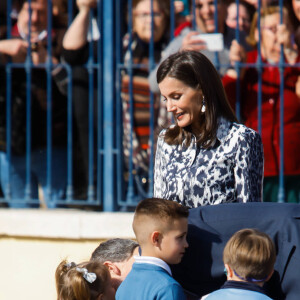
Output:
(213, 41)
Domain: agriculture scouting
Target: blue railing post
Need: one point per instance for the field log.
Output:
(69, 188)
(99, 158)
(90, 69)
(28, 70)
(8, 105)
(130, 188)
(48, 66)
(108, 96)
(259, 71)
(281, 190)
(151, 125)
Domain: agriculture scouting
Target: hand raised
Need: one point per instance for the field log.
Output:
(86, 4)
(190, 43)
(14, 47)
(237, 53)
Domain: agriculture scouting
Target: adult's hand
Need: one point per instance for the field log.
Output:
(237, 53)
(16, 48)
(283, 36)
(76, 36)
(86, 4)
(189, 42)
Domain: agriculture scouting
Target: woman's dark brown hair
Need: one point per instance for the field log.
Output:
(196, 71)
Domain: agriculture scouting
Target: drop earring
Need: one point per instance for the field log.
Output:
(203, 108)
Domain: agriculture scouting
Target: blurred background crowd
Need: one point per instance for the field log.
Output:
(50, 89)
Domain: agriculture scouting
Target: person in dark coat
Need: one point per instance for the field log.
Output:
(202, 270)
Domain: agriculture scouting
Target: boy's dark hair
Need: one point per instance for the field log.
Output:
(114, 250)
(161, 208)
(251, 254)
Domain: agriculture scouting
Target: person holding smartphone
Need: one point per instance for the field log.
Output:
(190, 39)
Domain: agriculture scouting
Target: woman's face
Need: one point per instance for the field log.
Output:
(205, 15)
(270, 46)
(244, 18)
(183, 101)
(296, 8)
(142, 21)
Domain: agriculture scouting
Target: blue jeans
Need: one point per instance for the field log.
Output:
(38, 176)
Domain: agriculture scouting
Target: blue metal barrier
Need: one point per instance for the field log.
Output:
(107, 188)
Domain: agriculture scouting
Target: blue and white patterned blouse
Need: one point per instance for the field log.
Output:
(229, 171)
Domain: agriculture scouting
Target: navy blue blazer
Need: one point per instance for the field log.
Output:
(202, 270)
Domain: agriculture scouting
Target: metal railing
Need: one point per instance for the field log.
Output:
(105, 189)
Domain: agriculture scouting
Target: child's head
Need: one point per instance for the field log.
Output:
(160, 227)
(250, 255)
(89, 280)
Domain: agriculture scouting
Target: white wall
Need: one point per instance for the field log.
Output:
(33, 242)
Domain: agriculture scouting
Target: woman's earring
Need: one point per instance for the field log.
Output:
(203, 108)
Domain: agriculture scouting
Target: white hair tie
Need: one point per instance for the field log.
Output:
(89, 277)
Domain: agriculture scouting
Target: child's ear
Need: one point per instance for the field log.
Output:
(228, 271)
(270, 275)
(100, 297)
(155, 238)
(112, 267)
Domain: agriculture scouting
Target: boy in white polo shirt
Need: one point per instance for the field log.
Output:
(160, 227)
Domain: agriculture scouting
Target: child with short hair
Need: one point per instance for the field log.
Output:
(88, 280)
(160, 227)
(249, 257)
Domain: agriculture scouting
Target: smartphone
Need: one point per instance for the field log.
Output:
(213, 41)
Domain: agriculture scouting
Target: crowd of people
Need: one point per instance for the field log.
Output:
(233, 251)
(254, 44)
(212, 170)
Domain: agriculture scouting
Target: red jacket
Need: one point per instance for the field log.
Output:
(270, 113)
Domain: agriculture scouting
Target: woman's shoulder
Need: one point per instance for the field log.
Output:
(244, 132)
(231, 129)
(242, 128)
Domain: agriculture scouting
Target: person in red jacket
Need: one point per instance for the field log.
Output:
(273, 35)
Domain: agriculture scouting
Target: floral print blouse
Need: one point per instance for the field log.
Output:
(229, 171)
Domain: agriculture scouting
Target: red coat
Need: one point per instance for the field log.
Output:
(270, 113)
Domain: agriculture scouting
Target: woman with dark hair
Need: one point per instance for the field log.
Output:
(207, 157)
